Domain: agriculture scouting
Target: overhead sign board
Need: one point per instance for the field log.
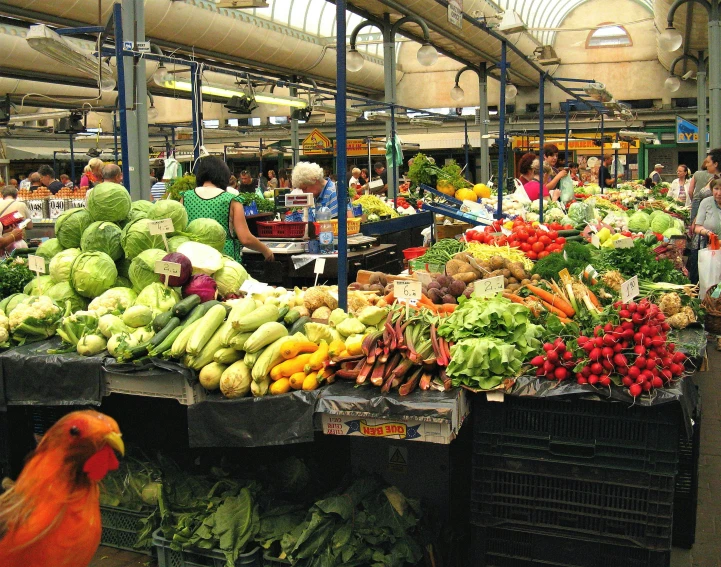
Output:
(455, 13)
(317, 143)
(687, 132)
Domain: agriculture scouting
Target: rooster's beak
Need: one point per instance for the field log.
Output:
(115, 440)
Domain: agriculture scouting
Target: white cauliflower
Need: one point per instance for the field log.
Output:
(4, 328)
(35, 320)
(115, 300)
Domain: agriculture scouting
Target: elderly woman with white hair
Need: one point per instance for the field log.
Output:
(309, 178)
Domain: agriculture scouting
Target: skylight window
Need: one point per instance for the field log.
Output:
(609, 36)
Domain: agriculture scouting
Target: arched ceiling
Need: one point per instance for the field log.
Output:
(549, 14)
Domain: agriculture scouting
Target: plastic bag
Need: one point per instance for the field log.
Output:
(568, 189)
(520, 194)
(709, 269)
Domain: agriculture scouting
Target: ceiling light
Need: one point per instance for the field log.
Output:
(511, 90)
(511, 23)
(672, 83)
(547, 55)
(457, 93)
(354, 61)
(46, 41)
(161, 75)
(427, 121)
(152, 113)
(427, 55)
(670, 39)
(242, 4)
(225, 92)
(52, 115)
(330, 109)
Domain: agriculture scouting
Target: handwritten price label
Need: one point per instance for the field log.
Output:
(489, 286)
(36, 264)
(595, 241)
(251, 286)
(629, 289)
(405, 290)
(505, 231)
(623, 243)
(544, 228)
(167, 268)
(319, 267)
(162, 226)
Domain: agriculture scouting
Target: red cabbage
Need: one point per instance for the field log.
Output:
(186, 269)
(201, 285)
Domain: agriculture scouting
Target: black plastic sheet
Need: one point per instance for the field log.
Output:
(31, 376)
(367, 401)
(252, 422)
(149, 367)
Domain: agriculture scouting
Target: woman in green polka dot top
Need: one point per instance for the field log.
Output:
(210, 200)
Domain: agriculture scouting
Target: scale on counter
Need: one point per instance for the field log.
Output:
(285, 246)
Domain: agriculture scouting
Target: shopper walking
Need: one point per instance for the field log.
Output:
(713, 168)
(210, 200)
(680, 185)
(272, 180)
(605, 178)
(529, 170)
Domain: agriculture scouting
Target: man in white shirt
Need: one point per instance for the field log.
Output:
(354, 179)
(655, 175)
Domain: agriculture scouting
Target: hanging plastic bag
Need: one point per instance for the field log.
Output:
(709, 269)
(394, 149)
(520, 194)
(568, 189)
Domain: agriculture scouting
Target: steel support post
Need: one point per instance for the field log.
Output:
(714, 76)
(501, 132)
(483, 119)
(341, 136)
(541, 118)
(702, 110)
(122, 106)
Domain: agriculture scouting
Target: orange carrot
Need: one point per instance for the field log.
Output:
(424, 300)
(554, 310)
(515, 298)
(594, 299)
(448, 307)
(390, 298)
(553, 300)
(564, 320)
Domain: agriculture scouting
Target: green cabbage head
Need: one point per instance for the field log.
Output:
(136, 237)
(639, 222)
(49, 248)
(230, 277)
(39, 285)
(142, 268)
(158, 297)
(175, 241)
(169, 209)
(70, 226)
(62, 292)
(102, 236)
(140, 210)
(206, 231)
(93, 273)
(109, 202)
(60, 265)
(661, 223)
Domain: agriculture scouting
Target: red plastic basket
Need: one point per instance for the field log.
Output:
(411, 253)
(281, 229)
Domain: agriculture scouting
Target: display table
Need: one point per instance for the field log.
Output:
(405, 231)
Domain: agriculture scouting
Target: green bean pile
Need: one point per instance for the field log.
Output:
(443, 251)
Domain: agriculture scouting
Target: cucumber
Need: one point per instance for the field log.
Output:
(577, 238)
(291, 317)
(182, 308)
(299, 326)
(161, 320)
(569, 232)
(282, 312)
(167, 344)
(161, 335)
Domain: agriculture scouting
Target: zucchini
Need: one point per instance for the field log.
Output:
(251, 321)
(299, 325)
(291, 317)
(568, 232)
(199, 311)
(282, 312)
(205, 330)
(226, 356)
(250, 359)
(161, 335)
(264, 335)
(205, 356)
(238, 341)
(178, 348)
(161, 320)
(184, 307)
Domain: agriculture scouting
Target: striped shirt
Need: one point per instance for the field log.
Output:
(157, 191)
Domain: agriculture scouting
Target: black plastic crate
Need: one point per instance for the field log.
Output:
(44, 417)
(498, 547)
(168, 557)
(686, 489)
(603, 434)
(628, 508)
(120, 528)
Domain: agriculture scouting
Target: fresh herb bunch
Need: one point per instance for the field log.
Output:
(264, 205)
(423, 170)
(452, 174)
(14, 276)
(638, 261)
(574, 258)
(175, 187)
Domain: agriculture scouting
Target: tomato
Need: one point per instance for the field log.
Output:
(545, 240)
(522, 235)
(567, 227)
(553, 248)
(560, 240)
(553, 234)
(538, 247)
(532, 255)
(532, 240)
(543, 254)
(525, 247)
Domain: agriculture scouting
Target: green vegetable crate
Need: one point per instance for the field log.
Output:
(120, 528)
(168, 557)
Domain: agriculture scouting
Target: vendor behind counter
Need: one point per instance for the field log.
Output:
(309, 178)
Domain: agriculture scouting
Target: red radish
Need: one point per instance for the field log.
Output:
(609, 340)
(607, 364)
(647, 386)
(624, 314)
(666, 374)
(617, 347)
(647, 342)
(547, 347)
(671, 347)
(598, 342)
(552, 356)
(635, 390)
(632, 307)
(626, 380)
(548, 367)
(657, 382)
(592, 379)
(678, 357)
(605, 380)
(634, 372)
(608, 327)
(637, 318)
(640, 362)
(560, 373)
(581, 380)
(595, 354)
(650, 363)
(567, 356)
(676, 369)
(620, 360)
(586, 371)
(607, 352)
(537, 361)
(637, 338)
(639, 350)
(641, 379)
(645, 330)
(582, 341)
(589, 346)
(596, 368)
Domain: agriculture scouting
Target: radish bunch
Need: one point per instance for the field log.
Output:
(634, 349)
(557, 363)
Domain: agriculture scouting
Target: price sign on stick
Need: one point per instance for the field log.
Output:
(36, 264)
(629, 289)
(167, 269)
(595, 241)
(318, 268)
(407, 291)
(162, 227)
(489, 286)
(623, 243)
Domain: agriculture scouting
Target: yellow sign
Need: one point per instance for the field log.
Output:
(356, 148)
(317, 143)
(523, 142)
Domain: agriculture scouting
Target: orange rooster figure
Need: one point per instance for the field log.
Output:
(51, 517)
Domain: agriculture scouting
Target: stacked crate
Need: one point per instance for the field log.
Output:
(593, 480)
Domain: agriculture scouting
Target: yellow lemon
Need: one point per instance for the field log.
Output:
(482, 191)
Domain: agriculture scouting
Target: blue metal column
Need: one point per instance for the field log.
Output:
(341, 137)
(197, 102)
(72, 160)
(115, 135)
(541, 117)
(483, 121)
(599, 169)
(501, 131)
(465, 147)
(567, 129)
(122, 105)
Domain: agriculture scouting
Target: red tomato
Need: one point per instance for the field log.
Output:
(532, 240)
(502, 240)
(543, 254)
(525, 247)
(538, 247)
(567, 227)
(553, 248)
(545, 240)
(560, 240)
(532, 255)
(522, 235)
(553, 234)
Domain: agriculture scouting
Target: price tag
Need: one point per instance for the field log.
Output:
(596, 241)
(495, 396)
(35, 206)
(590, 272)
(629, 289)
(36, 264)
(406, 290)
(505, 231)
(167, 268)
(564, 274)
(319, 266)
(544, 228)
(162, 226)
(57, 207)
(489, 286)
(423, 277)
(623, 243)
(252, 286)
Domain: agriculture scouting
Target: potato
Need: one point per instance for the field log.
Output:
(454, 267)
(498, 262)
(506, 273)
(513, 287)
(512, 280)
(465, 277)
(525, 281)
(536, 278)
(517, 270)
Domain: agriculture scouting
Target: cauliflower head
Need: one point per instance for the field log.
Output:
(115, 300)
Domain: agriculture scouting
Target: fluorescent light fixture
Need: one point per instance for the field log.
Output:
(330, 109)
(547, 55)
(56, 115)
(511, 23)
(635, 134)
(225, 92)
(242, 4)
(386, 117)
(427, 121)
(46, 41)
